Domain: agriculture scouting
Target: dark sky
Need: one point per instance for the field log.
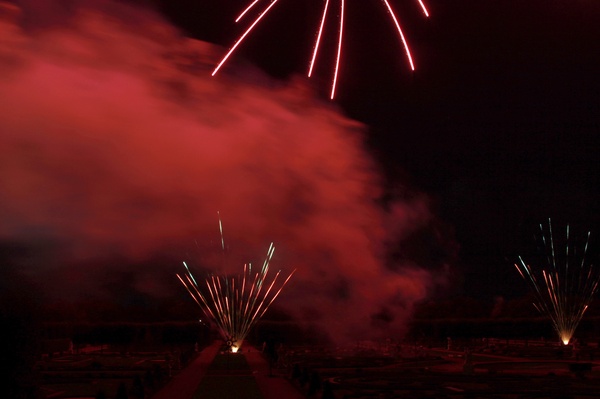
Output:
(498, 123)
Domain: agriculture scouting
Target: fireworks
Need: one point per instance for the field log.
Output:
(328, 6)
(565, 285)
(235, 304)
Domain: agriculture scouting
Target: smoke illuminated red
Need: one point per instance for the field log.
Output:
(117, 144)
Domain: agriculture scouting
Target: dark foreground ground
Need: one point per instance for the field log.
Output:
(500, 369)
(490, 369)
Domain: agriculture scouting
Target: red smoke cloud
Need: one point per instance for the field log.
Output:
(116, 141)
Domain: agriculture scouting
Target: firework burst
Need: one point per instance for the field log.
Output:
(332, 10)
(566, 283)
(235, 303)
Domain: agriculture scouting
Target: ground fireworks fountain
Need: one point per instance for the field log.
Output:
(235, 304)
(565, 285)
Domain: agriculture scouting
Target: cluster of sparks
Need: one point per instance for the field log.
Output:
(236, 303)
(565, 285)
(326, 16)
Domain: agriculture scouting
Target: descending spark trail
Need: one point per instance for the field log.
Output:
(423, 8)
(316, 49)
(235, 304)
(246, 10)
(320, 31)
(565, 287)
(339, 51)
(241, 39)
(412, 65)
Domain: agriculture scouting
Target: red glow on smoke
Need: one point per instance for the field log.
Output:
(117, 142)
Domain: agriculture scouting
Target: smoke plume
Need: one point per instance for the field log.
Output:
(118, 147)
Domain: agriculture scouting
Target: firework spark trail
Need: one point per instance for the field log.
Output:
(241, 39)
(318, 42)
(564, 292)
(412, 65)
(424, 8)
(221, 231)
(339, 51)
(276, 294)
(228, 301)
(319, 35)
(250, 6)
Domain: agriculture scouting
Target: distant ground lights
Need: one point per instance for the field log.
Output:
(333, 10)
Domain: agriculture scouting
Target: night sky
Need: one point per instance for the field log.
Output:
(499, 123)
(493, 133)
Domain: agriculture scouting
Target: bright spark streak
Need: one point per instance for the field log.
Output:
(552, 244)
(277, 294)
(221, 231)
(246, 10)
(318, 42)
(256, 21)
(190, 274)
(423, 8)
(339, 51)
(519, 270)
(270, 253)
(412, 66)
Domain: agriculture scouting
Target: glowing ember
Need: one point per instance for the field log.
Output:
(326, 11)
(565, 286)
